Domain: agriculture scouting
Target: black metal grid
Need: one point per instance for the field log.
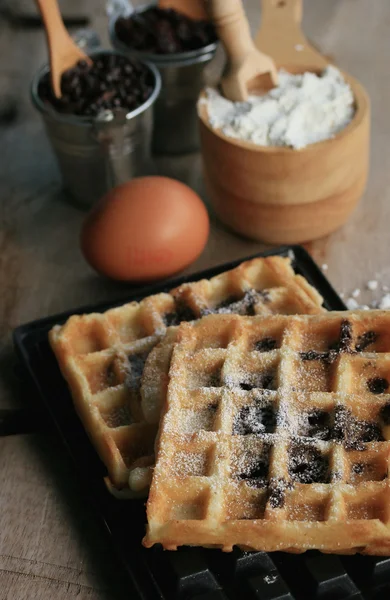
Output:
(194, 573)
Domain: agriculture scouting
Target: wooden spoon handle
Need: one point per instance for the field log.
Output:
(232, 28)
(281, 36)
(63, 52)
(52, 19)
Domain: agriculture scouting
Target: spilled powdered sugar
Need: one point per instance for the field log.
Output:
(374, 295)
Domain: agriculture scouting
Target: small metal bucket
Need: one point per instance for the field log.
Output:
(96, 154)
(183, 76)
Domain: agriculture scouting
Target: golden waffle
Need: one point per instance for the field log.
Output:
(274, 435)
(233, 292)
(102, 355)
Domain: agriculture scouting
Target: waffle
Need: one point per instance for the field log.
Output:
(102, 355)
(274, 435)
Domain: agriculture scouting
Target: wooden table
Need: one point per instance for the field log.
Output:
(50, 546)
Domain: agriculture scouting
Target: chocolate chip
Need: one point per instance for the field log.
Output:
(385, 414)
(344, 343)
(226, 303)
(214, 379)
(318, 425)
(256, 475)
(136, 363)
(336, 476)
(88, 89)
(327, 357)
(184, 312)
(266, 344)
(111, 376)
(264, 381)
(308, 465)
(370, 432)
(171, 319)
(164, 31)
(345, 336)
(365, 340)
(354, 433)
(246, 386)
(244, 306)
(358, 468)
(377, 385)
(254, 419)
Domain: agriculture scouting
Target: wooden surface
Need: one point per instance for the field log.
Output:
(50, 546)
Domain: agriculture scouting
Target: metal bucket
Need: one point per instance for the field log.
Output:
(96, 154)
(183, 76)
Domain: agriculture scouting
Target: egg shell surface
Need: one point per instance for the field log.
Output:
(146, 229)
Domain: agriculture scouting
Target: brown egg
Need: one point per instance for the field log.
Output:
(148, 228)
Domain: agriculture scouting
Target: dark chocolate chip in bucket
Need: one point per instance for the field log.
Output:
(164, 31)
(377, 385)
(87, 89)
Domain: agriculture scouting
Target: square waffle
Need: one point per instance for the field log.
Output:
(102, 355)
(275, 435)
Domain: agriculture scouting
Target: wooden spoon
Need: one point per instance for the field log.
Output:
(195, 9)
(281, 36)
(63, 51)
(248, 69)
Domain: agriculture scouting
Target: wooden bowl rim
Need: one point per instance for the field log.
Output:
(362, 102)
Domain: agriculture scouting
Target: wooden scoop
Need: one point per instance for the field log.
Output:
(248, 69)
(195, 9)
(280, 195)
(281, 36)
(63, 52)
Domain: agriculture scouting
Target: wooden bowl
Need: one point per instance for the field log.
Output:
(281, 195)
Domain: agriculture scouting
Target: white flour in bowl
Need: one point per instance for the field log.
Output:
(302, 110)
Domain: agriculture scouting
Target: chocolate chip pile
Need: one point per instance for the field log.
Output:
(164, 31)
(111, 82)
